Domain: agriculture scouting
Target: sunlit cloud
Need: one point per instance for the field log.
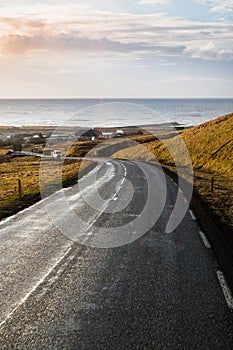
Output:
(154, 34)
(112, 48)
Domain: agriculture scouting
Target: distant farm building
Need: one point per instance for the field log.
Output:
(107, 135)
(87, 135)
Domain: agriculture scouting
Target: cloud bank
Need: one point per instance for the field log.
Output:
(128, 34)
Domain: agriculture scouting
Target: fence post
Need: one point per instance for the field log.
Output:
(19, 188)
(212, 184)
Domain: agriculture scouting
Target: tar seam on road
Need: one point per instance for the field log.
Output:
(192, 215)
(205, 240)
(226, 290)
(35, 287)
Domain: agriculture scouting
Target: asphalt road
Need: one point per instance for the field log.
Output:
(105, 284)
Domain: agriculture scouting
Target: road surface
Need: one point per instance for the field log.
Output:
(159, 291)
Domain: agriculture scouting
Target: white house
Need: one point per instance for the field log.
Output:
(108, 135)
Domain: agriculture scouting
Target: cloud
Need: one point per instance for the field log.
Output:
(19, 44)
(209, 51)
(198, 79)
(116, 33)
(153, 2)
(217, 5)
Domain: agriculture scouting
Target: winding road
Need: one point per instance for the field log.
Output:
(92, 267)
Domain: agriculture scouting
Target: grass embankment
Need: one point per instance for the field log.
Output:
(27, 169)
(210, 148)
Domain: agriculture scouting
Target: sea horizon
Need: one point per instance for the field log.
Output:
(93, 112)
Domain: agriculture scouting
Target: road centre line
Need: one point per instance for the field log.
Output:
(225, 288)
(105, 206)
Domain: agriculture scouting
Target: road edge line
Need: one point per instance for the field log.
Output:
(225, 288)
(25, 298)
(204, 239)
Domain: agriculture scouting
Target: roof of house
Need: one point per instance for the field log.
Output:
(85, 133)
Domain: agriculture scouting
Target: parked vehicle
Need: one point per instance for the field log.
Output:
(56, 153)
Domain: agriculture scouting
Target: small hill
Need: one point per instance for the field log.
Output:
(210, 146)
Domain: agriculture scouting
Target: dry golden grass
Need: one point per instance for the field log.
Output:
(210, 148)
(27, 170)
(31, 170)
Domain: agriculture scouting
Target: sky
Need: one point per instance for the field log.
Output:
(112, 49)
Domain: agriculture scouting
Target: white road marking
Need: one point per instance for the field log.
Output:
(185, 200)
(192, 215)
(226, 290)
(125, 171)
(114, 197)
(180, 190)
(205, 240)
(35, 287)
(59, 260)
(11, 218)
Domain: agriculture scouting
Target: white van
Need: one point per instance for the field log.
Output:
(56, 153)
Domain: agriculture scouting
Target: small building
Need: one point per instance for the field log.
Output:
(85, 135)
(108, 135)
(7, 137)
(120, 132)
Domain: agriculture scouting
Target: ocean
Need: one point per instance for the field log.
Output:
(110, 112)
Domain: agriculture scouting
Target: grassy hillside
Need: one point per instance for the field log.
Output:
(27, 170)
(210, 148)
(209, 144)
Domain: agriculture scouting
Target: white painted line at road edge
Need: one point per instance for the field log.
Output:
(11, 218)
(205, 240)
(35, 287)
(225, 289)
(192, 215)
(173, 181)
